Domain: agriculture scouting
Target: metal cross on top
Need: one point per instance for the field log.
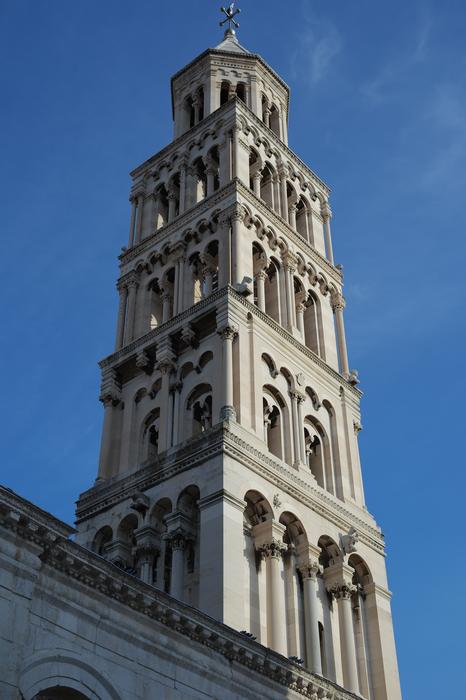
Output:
(230, 14)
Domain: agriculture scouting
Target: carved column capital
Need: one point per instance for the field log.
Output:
(342, 591)
(337, 302)
(228, 332)
(325, 211)
(309, 570)
(297, 396)
(273, 549)
(290, 261)
(143, 361)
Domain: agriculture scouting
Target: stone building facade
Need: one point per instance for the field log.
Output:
(225, 550)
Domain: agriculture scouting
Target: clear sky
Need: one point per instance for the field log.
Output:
(379, 112)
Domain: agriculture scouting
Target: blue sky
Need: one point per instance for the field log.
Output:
(378, 111)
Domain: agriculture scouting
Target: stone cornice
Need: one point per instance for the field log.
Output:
(23, 516)
(226, 439)
(232, 188)
(161, 331)
(234, 56)
(100, 577)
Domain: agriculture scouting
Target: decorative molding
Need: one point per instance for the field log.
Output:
(181, 320)
(222, 440)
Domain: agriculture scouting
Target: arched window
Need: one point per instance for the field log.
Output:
(267, 186)
(318, 453)
(224, 92)
(161, 207)
(125, 543)
(276, 424)
(150, 437)
(202, 415)
(102, 539)
(272, 291)
(295, 538)
(188, 109)
(303, 219)
(199, 410)
(210, 269)
(188, 507)
(241, 91)
(212, 162)
(335, 449)
(200, 180)
(168, 283)
(257, 510)
(362, 577)
(275, 120)
(199, 105)
(173, 197)
(162, 565)
(313, 331)
(155, 304)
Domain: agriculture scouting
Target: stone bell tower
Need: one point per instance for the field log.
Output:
(229, 470)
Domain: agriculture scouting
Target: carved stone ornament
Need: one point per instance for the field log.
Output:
(273, 549)
(140, 502)
(228, 332)
(342, 591)
(276, 501)
(349, 542)
(300, 379)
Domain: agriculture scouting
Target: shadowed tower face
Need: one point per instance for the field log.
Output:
(229, 471)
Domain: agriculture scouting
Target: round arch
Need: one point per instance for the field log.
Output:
(57, 667)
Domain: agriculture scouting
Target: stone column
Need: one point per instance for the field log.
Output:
(166, 299)
(283, 194)
(267, 113)
(105, 462)
(146, 556)
(342, 594)
(326, 213)
(139, 218)
(132, 222)
(227, 411)
(236, 152)
(171, 205)
(183, 166)
(272, 553)
(292, 216)
(165, 366)
(176, 412)
(132, 286)
(311, 622)
(300, 319)
(120, 334)
(260, 282)
(224, 251)
(276, 193)
(236, 221)
(338, 304)
(197, 109)
(256, 183)
(289, 269)
(178, 544)
(296, 398)
(110, 397)
(300, 398)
